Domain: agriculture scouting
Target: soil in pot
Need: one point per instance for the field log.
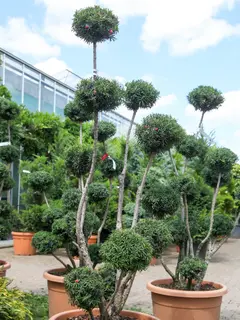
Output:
(86, 317)
(173, 304)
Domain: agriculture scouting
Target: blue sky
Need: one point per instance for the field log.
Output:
(177, 45)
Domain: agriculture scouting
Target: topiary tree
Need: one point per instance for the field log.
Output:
(157, 133)
(191, 147)
(205, 99)
(97, 192)
(106, 130)
(40, 181)
(138, 94)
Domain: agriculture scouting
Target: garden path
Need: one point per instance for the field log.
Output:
(224, 268)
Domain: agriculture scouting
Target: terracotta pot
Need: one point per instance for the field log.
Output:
(153, 262)
(22, 243)
(169, 304)
(4, 266)
(178, 249)
(130, 314)
(57, 295)
(92, 239)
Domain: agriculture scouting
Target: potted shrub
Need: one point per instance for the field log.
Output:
(186, 295)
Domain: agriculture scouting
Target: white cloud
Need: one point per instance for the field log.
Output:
(148, 78)
(18, 37)
(52, 66)
(186, 26)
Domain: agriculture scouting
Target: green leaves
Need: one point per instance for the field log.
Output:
(95, 24)
(9, 110)
(159, 133)
(127, 251)
(46, 242)
(205, 98)
(106, 130)
(192, 146)
(78, 160)
(9, 154)
(140, 94)
(97, 192)
(192, 268)
(71, 199)
(77, 113)
(220, 160)
(40, 181)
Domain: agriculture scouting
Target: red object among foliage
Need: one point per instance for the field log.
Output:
(110, 31)
(77, 281)
(104, 157)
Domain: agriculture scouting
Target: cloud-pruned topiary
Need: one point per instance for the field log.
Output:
(46, 242)
(191, 147)
(70, 199)
(222, 225)
(77, 113)
(108, 170)
(159, 133)
(9, 110)
(97, 192)
(85, 288)
(106, 130)
(91, 224)
(4, 173)
(8, 184)
(78, 160)
(160, 200)
(49, 216)
(157, 233)
(191, 269)
(140, 94)
(99, 95)
(95, 24)
(5, 209)
(9, 154)
(185, 184)
(127, 251)
(40, 181)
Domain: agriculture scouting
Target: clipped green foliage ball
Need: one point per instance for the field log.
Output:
(91, 224)
(94, 252)
(220, 160)
(108, 170)
(108, 274)
(98, 95)
(140, 94)
(49, 216)
(95, 24)
(192, 268)
(5, 228)
(46, 242)
(5, 209)
(71, 199)
(9, 154)
(97, 192)
(127, 251)
(61, 228)
(160, 200)
(4, 173)
(32, 218)
(40, 181)
(191, 147)
(178, 230)
(159, 133)
(76, 112)
(78, 160)
(8, 184)
(85, 288)
(106, 130)
(156, 232)
(9, 110)
(185, 184)
(205, 98)
(211, 177)
(222, 224)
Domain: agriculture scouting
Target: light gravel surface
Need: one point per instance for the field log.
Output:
(27, 275)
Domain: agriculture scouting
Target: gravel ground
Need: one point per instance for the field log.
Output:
(224, 268)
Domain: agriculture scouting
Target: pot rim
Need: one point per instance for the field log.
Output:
(52, 277)
(5, 266)
(152, 286)
(78, 312)
(15, 233)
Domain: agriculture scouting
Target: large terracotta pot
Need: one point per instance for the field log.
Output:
(22, 243)
(92, 239)
(57, 295)
(4, 266)
(169, 304)
(76, 313)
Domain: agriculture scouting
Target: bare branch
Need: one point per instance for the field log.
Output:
(188, 226)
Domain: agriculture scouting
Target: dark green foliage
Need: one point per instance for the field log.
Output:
(5, 228)
(77, 113)
(97, 192)
(192, 269)
(5, 93)
(222, 225)
(127, 251)
(107, 168)
(211, 177)
(108, 274)
(205, 98)
(157, 233)
(128, 214)
(40, 181)
(220, 160)
(4, 173)
(9, 154)
(140, 94)
(91, 224)
(46, 242)
(78, 160)
(191, 147)
(106, 130)
(99, 95)
(5, 209)
(185, 184)
(32, 219)
(71, 198)
(60, 229)
(94, 252)
(49, 216)
(9, 110)
(159, 133)
(95, 24)
(177, 227)
(85, 288)
(160, 200)
(9, 183)
(38, 305)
